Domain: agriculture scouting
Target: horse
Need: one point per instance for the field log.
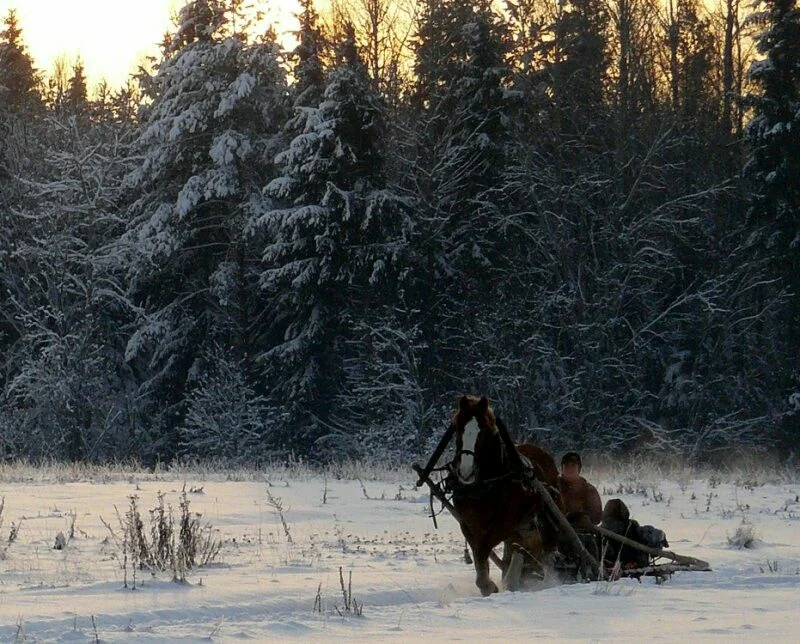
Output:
(492, 502)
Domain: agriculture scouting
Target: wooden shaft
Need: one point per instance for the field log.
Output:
(590, 564)
(423, 473)
(511, 449)
(443, 499)
(656, 552)
(663, 569)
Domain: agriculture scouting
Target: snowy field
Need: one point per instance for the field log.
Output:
(406, 578)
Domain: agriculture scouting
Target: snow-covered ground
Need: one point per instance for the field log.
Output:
(408, 578)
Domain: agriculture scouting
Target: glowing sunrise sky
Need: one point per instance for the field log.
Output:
(111, 36)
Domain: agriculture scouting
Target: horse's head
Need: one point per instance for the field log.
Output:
(478, 446)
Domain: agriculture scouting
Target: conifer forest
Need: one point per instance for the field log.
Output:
(586, 210)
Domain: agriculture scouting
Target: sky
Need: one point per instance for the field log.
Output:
(111, 36)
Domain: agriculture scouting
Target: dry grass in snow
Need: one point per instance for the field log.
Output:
(351, 554)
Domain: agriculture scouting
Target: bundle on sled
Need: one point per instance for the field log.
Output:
(628, 549)
(500, 492)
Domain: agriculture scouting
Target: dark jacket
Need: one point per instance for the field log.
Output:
(580, 497)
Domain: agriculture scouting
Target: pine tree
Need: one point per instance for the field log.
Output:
(577, 65)
(307, 57)
(19, 79)
(774, 169)
(333, 235)
(206, 144)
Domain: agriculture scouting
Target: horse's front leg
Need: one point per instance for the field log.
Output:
(482, 579)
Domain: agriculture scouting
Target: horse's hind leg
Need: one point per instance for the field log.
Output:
(508, 550)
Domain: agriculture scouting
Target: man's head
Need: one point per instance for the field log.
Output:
(571, 465)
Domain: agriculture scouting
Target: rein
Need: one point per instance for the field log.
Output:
(512, 466)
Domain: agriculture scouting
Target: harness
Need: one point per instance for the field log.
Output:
(452, 484)
(474, 487)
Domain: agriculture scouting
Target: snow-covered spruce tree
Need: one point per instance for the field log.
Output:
(206, 145)
(774, 170)
(334, 234)
(464, 130)
(306, 60)
(76, 97)
(226, 415)
(19, 79)
(383, 411)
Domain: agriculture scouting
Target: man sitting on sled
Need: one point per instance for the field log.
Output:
(584, 510)
(582, 505)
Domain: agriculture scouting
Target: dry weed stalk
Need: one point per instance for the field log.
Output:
(318, 599)
(276, 504)
(13, 532)
(2, 507)
(350, 604)
(363, 489)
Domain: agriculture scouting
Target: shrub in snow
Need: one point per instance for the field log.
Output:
(744, 537)
(168, 547)
(61, 542)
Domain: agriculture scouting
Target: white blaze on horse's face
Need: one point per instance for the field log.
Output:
(466, 462)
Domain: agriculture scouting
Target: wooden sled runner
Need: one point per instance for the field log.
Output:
(579, 562)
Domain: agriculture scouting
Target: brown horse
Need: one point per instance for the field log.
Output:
(493, 504)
